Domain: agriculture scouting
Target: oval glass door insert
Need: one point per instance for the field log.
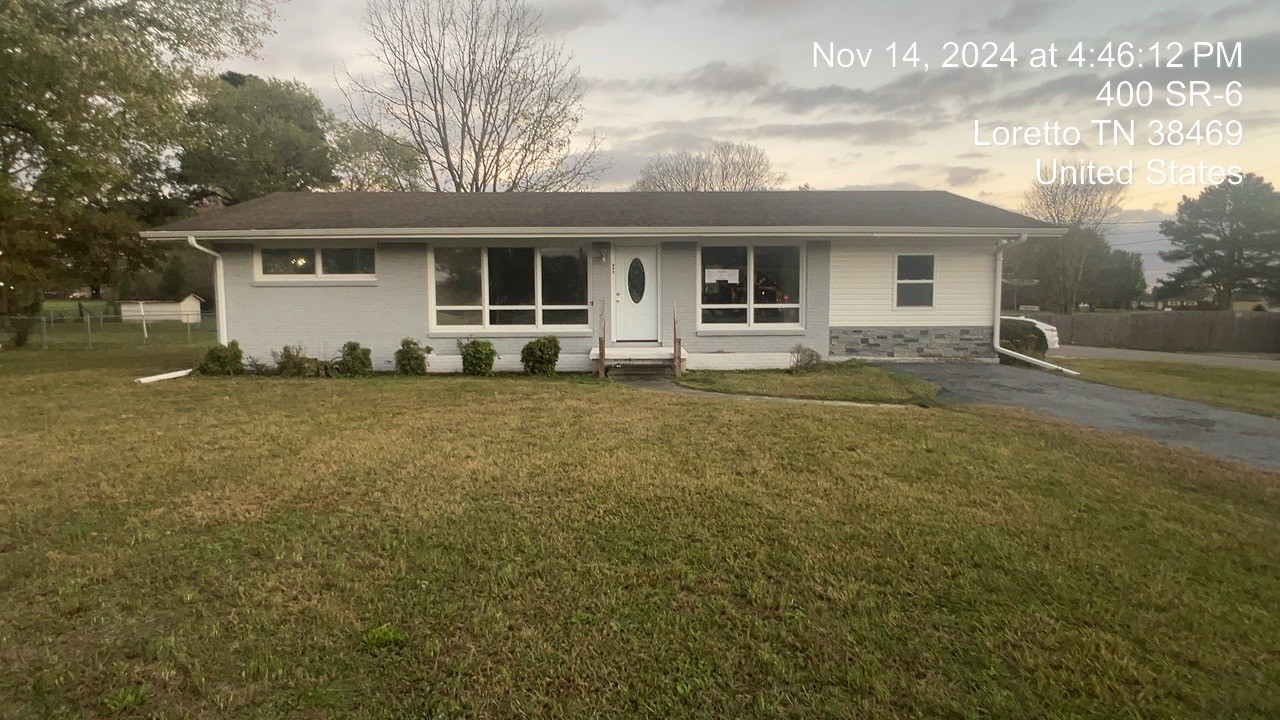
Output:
(635, 280)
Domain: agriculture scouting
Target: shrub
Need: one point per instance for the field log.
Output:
(411, 358)
(804, 359)
(1022, 337)
(540, 355)
(223, 360)
(254, 366)
(477, 357)
(20, 330)
(355, 361)
(292, 361)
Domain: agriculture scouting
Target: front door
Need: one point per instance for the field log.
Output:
(635, 299)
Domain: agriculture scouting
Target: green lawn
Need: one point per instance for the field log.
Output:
(73, 333)
(849, 381)
(1253, 391)
(462, 547)
(71, 308)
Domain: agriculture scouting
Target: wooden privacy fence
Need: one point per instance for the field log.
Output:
(1179, 331)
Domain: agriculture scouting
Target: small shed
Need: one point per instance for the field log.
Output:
(186, 310)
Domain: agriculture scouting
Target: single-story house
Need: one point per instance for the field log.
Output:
(186, 310)
(740, 277)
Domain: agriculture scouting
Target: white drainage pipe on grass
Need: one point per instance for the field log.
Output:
(164, 376)
(995, 321)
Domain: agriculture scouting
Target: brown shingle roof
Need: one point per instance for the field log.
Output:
(868, 208)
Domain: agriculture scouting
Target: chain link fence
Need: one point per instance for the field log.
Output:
(86, 329)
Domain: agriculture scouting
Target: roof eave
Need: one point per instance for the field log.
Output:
(603, 232)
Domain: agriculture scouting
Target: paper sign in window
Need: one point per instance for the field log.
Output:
(728, 275)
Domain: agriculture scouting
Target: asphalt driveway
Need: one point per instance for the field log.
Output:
(1226, 433)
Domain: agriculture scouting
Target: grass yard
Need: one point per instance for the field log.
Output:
(1252, 391)
(849, 381)
(71, 308)
(460, 547)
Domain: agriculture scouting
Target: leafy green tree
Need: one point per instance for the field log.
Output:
(366, 159)
(256, 136)
(174, 278)
(1227, 240)
(91, 98)
(1115, 280)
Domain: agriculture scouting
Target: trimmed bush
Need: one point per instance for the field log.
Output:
(223, 360)
(540, 355)
(477, 357)
(1022, 337)
(355, 361)
(805, 358)
(411, 358)
(292, 361)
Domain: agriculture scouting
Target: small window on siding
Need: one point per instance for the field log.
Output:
(288, 261)
(914, 286)
(347, 261)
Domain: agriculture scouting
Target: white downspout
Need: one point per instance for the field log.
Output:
(995, 316)
(219, 290)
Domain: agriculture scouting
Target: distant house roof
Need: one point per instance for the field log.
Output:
(154, 300)
(280, 213)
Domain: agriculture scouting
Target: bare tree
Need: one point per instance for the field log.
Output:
(726, 167)
(472, 87)
(1062, 265)
(1076, 205)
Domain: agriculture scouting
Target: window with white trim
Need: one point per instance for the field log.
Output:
(749, 285)
(318, 262)
(510, 287)
(914, 281)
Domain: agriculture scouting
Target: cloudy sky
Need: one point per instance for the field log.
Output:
(666, 75)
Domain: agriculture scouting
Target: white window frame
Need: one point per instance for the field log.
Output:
(318, 251)
(485, 325)
(931, 281)
(751, 303)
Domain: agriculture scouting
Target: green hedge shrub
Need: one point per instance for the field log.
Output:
(292, 361)
(411, 358)
(223, 360)
(477, 357)
(1022, 337)
(355, 361)
(540, 355)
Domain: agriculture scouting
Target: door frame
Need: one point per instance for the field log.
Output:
(613, 287)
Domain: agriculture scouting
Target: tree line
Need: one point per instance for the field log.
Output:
(111, 121)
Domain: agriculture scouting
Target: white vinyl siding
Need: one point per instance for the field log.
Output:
(864, 275)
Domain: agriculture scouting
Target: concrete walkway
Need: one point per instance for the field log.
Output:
(1216, 431)
(667, 385)
(1247, 361)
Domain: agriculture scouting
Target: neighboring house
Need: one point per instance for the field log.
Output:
(186, 310)
(1249, 302)
(741, 277)
(1190, 300)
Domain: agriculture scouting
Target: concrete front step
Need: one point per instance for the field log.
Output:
(635, 362)
(640, 372)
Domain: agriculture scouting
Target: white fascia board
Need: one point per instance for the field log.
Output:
(601, 232)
